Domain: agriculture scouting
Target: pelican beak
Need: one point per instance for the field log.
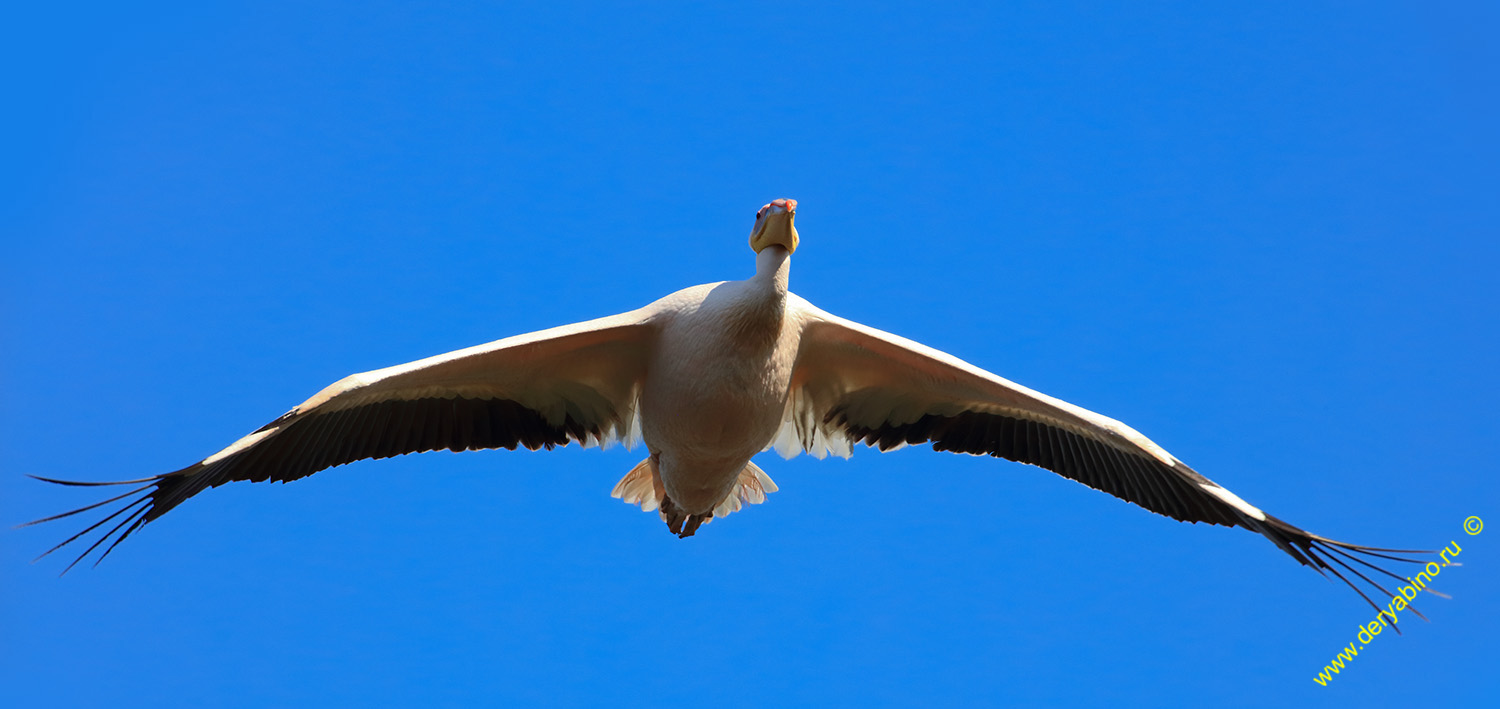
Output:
(773, 225)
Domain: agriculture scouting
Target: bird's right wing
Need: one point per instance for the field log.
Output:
(575, 383)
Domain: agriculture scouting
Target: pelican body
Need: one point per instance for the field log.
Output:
(708, 377)
(718, 383)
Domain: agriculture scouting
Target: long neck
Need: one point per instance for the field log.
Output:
(773, 267)
(759, 310)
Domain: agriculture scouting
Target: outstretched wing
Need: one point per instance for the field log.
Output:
(853, 383)
(576, 383)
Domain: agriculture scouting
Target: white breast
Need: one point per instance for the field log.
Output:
(716, 390)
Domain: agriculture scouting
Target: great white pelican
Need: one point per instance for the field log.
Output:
(707, 377)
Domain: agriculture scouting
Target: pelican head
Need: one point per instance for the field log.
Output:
(773, 225)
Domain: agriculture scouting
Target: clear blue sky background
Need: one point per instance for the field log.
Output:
(1264, 235)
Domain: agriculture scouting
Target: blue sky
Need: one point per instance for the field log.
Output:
(1262, 235)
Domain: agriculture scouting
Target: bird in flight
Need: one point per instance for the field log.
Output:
(708, 377)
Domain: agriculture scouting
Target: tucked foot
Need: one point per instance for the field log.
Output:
(673, 515)
(681, 523)
(693, 521)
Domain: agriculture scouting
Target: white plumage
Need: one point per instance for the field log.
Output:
(707, 377)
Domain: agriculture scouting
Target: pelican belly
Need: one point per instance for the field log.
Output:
(715, 391)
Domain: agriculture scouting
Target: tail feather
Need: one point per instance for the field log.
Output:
(751, 488)
(642, 486)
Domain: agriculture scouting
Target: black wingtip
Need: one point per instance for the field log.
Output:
(90, 483)
(81, 509)
(1327, 556)
(1367, 550)
(135, 513)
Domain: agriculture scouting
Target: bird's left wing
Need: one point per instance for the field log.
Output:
(853, 383)
(575, 383)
